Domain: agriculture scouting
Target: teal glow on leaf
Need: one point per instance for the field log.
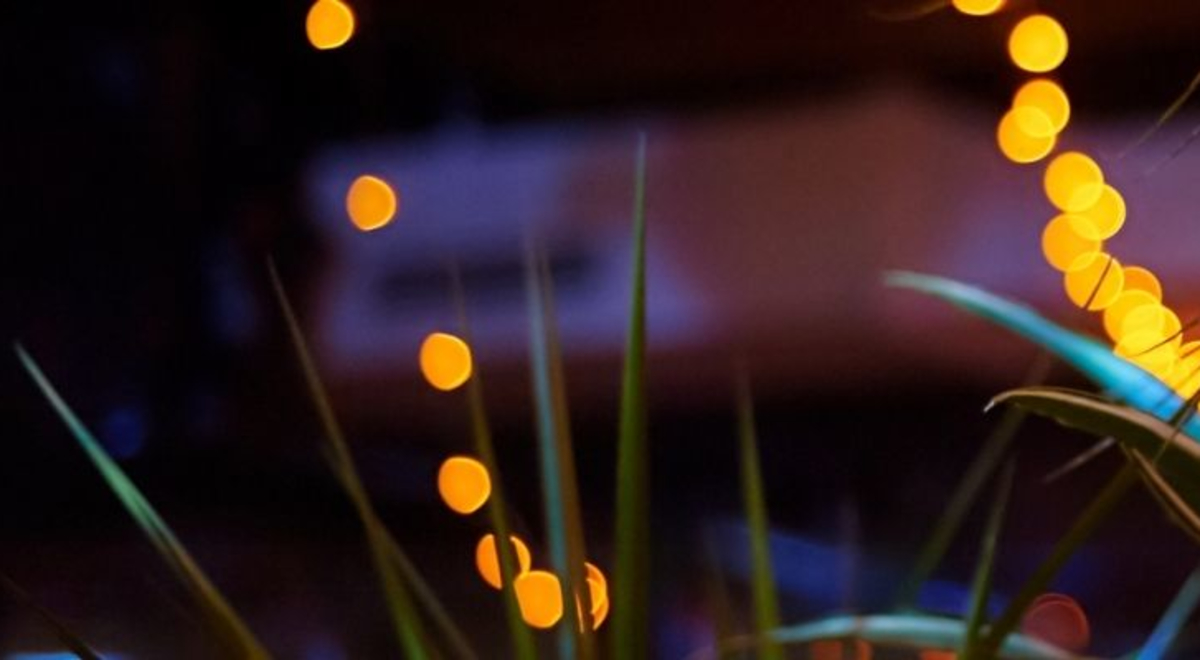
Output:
(1118, 377)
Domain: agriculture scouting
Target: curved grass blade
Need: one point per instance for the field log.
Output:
(631, 592)
(982, 467)
(1177, 613)
(522, 637)
(1174, 473)
(766, 600)
(564, 520)
(1096, 512)
(1122, 379)
(396, 573)
(225, 622)
(913, 631)
(73, 642)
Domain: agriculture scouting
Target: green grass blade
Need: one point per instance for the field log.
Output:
(631, 592)
(522, 636)
(73, 642)
(913, 631)
(1166, 116)
(1122, 379)
(1173, 474)
(766, 600)
(965, 494)
(981, 588)
(564, 524)
(386, 554)
(1092, 516)
(229, 627)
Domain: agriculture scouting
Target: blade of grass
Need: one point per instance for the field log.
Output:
(228, 626)
(981, 589)
(73, 642)
(766, 600)
(909, 13)
(1166, 116)
(564, 523)
(913, 631)
(485, 450)
(386, 554)
(631, 593)
(1081, 530)
(966, 492)
(1177, 613)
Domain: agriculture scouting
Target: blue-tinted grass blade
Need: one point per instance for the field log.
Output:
(630, 592)
(1166, 116)
(1177, 614)
(1120, 378)
(913, 631)
(766, 600)
(69, 639)
(397, 575)
(522, 637)
(564, 524)
(981, 588)
(227, 625)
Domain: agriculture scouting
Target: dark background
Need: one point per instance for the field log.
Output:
(146, 144)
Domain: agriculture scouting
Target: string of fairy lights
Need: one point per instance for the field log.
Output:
(1089, 211)
(446, 363)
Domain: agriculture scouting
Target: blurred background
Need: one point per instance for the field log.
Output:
(156, 153)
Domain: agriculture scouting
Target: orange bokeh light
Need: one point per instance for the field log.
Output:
(445, 361)
(464, 484)
(330, 24)
(540, 597)
(487, 558)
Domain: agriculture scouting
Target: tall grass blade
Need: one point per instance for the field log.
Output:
(631, 593)
(73, 642)
(485, 450)
(981, 588)
(397, 574)
(914, 631)
(1177, 614)
(1120, 378)
(965, 493)
(766, 600)
(909, 13)
(564, 524)
(1096, 512)
(225, 622)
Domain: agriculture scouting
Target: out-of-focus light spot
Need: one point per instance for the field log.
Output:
(1025, 135)
(487, 559)
(330, 24)
(594, 573)
(370, 202)
(978, 7)
(1100, 282)
(1038, 44)
(835, 649)
(1141, 279)
(1129, 300)
(539, 595)
(600, 613)
(124, 432)
(598, 593)
(1069, 243)
(1108, 213)
(1153, 318)
(464, 484)
(445, 361)
(1185, 375)
(1073, 182)
(1057, 620)
(1147, 350)
(1045, 95)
